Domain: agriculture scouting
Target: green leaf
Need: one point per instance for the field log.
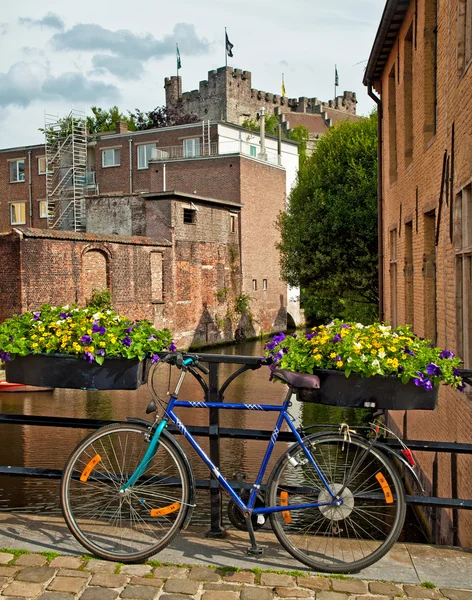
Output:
(405, 378)
(99, 359)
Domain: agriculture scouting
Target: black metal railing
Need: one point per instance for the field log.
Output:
(215, 393)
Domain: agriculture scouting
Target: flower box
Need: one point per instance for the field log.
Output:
(66, 371)
(377, 392)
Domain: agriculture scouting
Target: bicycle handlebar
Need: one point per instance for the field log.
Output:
(184, 359)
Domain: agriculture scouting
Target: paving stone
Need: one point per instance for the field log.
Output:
(3, 580)
(70, 585)
(66, 562)
(256, 593)
(6, 558)
(457, 594)
(169, 572)
(313, 583)
(31, 560)
(99, 593)
(384, 589)
(136, 570)
(224, 587)
(240, 577)
(370, 597)
(108, 580)
(147, 581)
(350, 586)
(181, 586)
(139, 592)
(73, 573)
(101, 566)
(331, 596)
(173, 597)
(418, 591)
(36, 574)
(222, 595)
(23, 589)
(204, 574)
(55, 596)
(288, 592)
(274, 579)
(8, 571)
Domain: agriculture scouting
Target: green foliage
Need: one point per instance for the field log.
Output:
(428, 585)
(50, 555)
(242, 303)
(161, 116)
(100, 299)
(222, 293)
(106, 120)
(329, 232)
(301, 135)
(271, 122)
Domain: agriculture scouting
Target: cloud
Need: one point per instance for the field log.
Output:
(128, 50)
(27, 82)
(123, 68)
(4, 28)
(50, 20)
(32, 51)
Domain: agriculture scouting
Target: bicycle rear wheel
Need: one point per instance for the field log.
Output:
(345, 538)
(129, 526)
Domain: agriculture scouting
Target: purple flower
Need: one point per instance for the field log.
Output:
(427, 385)
(275, 341)
(456, 372)
(86, 339)
(461, 387)
(127, 341)
(5, 355)
(101, 351)
(446, 354)
(152, 337)
(172, 347)
(154, 359)
(401, 369)
(433, 369)
(407, 350)
(89, 357)
(338, 358)
(64, 315)
(36, 316)
(337, 338)
(130, 329)
(345, 326)
(98, 329)
(418, 382)
(310, 336)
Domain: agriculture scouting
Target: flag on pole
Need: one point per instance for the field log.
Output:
(283, 86)
(229, 46)
(336, 78)
(179, 63)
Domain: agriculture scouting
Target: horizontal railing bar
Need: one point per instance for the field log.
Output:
(425, 446)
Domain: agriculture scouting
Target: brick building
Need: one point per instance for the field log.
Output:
(420, 65)
(211, 189)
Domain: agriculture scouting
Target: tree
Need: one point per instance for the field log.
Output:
(161, 116)
(106, 120)
(329, 232)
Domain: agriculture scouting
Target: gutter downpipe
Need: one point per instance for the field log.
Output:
(130, 142)
(378, 101)
(30, 188)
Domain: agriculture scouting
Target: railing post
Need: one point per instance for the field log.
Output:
(434, 511)
(216, 523)
(454, 492)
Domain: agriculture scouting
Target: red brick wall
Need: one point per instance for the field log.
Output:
(422, 178)
(10, 266)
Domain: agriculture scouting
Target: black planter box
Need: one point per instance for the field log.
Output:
(65, 371)
(387, 393)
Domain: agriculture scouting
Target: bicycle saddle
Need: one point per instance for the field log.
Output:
(298, 380)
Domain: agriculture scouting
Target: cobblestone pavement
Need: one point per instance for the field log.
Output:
(50, 577)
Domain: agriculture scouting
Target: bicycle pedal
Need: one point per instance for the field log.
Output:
(257, 551)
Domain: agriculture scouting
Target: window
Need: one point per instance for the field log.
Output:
(264, 284)
(254, 284)
(463, 248)
(189, 215)
(17, 170)
(18, 213)
(408, 273)
(144, 155)
(392, 125)
(430, 69)
(111, 157)
(429, 277)
(42, 165)
(232, 223)
(464, 45)
(253, 150)
(408, 94)
(191, 147)
(43, 209)
(393, 278)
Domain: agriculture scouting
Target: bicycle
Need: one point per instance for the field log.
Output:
(334, 500)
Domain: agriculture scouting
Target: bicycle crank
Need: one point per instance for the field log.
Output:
(335, 512)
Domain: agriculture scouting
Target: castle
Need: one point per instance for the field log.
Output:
(227, 95)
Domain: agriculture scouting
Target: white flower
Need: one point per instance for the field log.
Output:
(375, 363)
(61, 322)
(385, 328)
(65, 307)
(97, 315)
(359, 326)
(330, 324)
(382, 354)
(364, 357)
(358, 345)
(349, 359)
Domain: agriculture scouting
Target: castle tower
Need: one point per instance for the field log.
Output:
(173, 87)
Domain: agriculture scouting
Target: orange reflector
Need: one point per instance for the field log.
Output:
(90, 467)
(385, 487)
(158, 512)
(284, 502)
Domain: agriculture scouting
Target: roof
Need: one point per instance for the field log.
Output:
(186, 197)
(392, 19)
(340, 115)
(313, 122)
(80, 236)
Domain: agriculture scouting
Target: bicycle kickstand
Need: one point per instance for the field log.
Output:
(254, 549)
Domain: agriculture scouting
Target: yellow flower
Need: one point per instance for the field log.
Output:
(83, 329)
(23, 338)
(35, 345)
(102, 344)
(376, 344)
(339, 363)
(41, 329)
(333, 355)
(403, 356)
(33, 337)
(318, 356)
(395, 363)
(41, 339)
(392, 348)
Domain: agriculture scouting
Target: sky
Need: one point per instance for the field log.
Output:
(58, 55)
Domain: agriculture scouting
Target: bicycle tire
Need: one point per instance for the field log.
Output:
(337, 539)
(119, 526)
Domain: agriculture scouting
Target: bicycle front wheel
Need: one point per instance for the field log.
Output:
(133, 525)
(334, 538)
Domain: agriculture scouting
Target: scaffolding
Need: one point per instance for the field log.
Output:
(66, 170)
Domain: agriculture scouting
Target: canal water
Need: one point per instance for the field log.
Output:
(49, 447)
